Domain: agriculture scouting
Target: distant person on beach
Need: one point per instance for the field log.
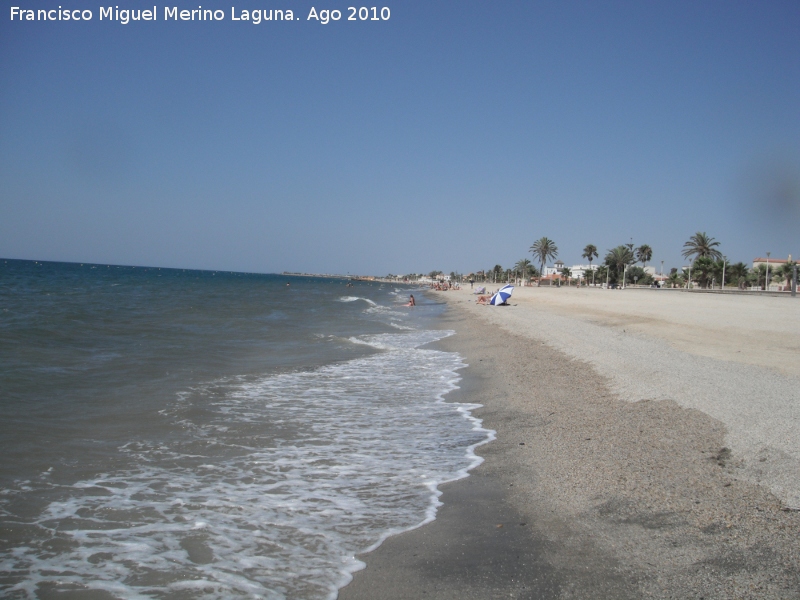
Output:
(483, 299)
(411, 301)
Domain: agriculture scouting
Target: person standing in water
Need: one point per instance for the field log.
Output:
(411, 301)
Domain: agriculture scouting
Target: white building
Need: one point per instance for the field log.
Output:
(554, 270)
(578, 271)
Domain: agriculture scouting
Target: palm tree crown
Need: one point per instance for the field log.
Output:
(590, 252)
(619, 257)
(522, 266)
(644, 254)
(701, 245)
(543, 249)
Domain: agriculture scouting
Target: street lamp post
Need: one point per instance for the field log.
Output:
(766, 281)
(724, 262)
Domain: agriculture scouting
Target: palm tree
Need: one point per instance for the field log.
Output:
(760, 275)
(703, 271)
(532, 272)
(498, 272)
(566, 272)
(590, 253)
(522, 267)
(644, 254)
(738, 272)
(619, 258)
(701, 245)
(675, 279)
(601, 272)
(543, 249)
(786, 271)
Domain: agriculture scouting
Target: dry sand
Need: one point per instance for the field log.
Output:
(645, 459)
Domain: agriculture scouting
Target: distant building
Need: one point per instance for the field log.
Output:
(554, 270)
(578, 271)
(773, 262)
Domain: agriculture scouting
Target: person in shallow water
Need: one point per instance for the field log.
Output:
(411, 301)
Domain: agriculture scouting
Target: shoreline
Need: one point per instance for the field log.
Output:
(620, 499)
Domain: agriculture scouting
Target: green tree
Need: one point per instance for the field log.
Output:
(737, 273)
(543, 249)
(644, 254)
(566, 272)
(786, 272)
(703, 271)
(638, 276)
(522, 267)
(717, 270)
(589, 253)
(617, 259)
(759, 276)
(600, 273)
(688, 277)
(498, 273)
(701, 245)
(675, 279)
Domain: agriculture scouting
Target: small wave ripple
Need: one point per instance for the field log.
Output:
(270, 490)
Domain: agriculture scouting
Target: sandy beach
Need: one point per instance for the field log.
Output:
(647, 446)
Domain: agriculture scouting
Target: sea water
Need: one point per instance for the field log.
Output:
(196, 434)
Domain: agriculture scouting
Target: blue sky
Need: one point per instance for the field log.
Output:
(449, 137)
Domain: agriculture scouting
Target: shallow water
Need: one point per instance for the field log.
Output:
(188, 434)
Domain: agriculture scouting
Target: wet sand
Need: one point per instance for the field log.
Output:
(621, 495)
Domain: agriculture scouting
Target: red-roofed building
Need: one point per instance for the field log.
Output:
(773, 262)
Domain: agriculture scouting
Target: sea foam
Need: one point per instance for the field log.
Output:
(272, 487)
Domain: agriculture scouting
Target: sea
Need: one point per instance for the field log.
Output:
(170, 433)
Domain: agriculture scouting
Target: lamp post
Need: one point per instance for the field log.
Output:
(766, 281)
(724, 262)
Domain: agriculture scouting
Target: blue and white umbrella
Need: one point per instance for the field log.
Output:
(503, 294)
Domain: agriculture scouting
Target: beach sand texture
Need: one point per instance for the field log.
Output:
(735, 358)
(646, 439)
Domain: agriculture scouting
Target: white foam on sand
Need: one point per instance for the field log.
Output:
(226, 510)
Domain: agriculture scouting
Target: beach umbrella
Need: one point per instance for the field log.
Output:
(503, 294)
